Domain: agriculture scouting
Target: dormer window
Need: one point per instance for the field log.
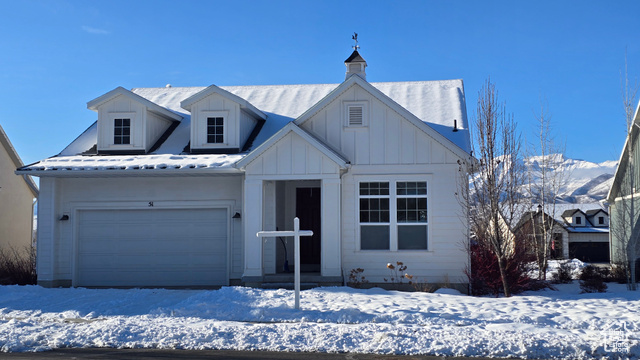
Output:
(578, 220)
(122, 131)
(600, 220)
(215, 130)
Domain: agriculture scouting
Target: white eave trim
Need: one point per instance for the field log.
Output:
(151, 106)
(131, 172)
(244, 104)
(291, 127)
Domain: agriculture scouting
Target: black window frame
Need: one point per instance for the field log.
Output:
(215, 130)
(122, 131)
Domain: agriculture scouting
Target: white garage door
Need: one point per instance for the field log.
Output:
(154, 247)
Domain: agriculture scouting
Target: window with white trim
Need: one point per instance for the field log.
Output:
(374, 215)
(121, 131)
(215, 130)
(412, 215)
(393, 215)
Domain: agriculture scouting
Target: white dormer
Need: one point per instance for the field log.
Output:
(598, 218)
(221, 122)
(575, 218)
(129, 123)
(356, 65)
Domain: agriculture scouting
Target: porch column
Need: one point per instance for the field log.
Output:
(331, 228)
(252, 219)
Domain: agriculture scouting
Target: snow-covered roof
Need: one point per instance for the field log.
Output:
(436, 103)
(138, 162)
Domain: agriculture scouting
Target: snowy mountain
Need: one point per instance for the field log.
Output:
(584, 181)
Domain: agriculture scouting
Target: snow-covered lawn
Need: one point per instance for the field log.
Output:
(544, 324)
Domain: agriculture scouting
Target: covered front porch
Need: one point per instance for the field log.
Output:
(292, 175)
(269, 261)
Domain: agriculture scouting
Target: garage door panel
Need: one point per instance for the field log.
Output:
(158, 247)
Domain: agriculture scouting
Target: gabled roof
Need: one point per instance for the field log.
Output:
(120, 91)
(244, 104)
(433, 105)
(571, 212)
(461, 148)
(593, 212)
(17, 162)
(291, 127)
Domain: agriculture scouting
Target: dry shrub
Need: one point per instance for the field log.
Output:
(18, 267)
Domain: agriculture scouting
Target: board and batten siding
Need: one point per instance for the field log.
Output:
(390, 147)
(56, 248)
(156, 126)
(292, 157)
(246, 126)
(127, 108)
(386, 138)
(215, 105)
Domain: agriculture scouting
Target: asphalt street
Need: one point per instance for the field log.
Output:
(155, 354)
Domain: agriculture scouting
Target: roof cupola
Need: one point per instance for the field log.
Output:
(355, 63)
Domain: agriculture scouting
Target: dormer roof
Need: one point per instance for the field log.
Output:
(120, 91)
(571, 212)
(244, 104)
(593, 212)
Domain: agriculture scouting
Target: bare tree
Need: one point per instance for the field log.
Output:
(625, 227)
(494, 198)
(545, 180)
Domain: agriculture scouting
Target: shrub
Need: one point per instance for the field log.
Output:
(484, 273)
(563, 275)
(618, 274)
(591, 280)
(356, 278)
(18, 267)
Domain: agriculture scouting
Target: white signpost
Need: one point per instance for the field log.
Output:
(296, 233)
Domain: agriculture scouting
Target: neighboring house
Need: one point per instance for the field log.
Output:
(17, 200)
(577, 234)
(170, 186)
(624, 201)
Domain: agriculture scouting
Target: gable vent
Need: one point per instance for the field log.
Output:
(355, 115)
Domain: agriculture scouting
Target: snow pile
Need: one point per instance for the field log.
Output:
(553, 266)
(548, 324)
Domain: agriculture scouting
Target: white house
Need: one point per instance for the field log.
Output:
(624, 202)
(170, 186)
(17, 195)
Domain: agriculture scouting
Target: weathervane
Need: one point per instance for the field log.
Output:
(355, 38)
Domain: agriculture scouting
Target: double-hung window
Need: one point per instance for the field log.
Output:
(121, 131)
(374, 215)
(215, 130)
(411, 200)
(393, 215)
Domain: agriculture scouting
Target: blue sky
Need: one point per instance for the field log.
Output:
(57, 55)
